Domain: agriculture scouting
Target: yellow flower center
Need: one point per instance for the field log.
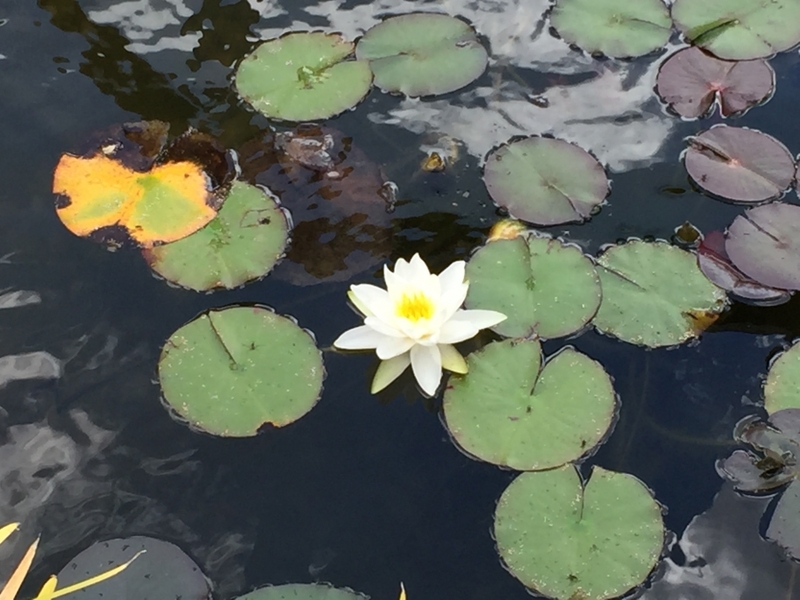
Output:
(414, 305)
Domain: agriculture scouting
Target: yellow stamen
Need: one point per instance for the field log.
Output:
(414, 305)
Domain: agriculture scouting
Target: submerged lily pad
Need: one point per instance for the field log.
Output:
(691, 81)
(303, 76)
(772, 463)
(242, 243)
(422, 54)
(101, 197)
(739, 164)
(545, 181)
(230, 371)
(616, 28)
(764, 243)
(654, 294)
(715, 263)
(302, 591)
(162, 570)
(739, 29)
(546, 288)
(571, 541)
(782, 388)
(510, 411)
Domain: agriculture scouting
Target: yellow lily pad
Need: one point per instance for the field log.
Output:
(103, 198)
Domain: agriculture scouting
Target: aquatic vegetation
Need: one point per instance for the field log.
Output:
(782, 386)
(232, 370)
(691, 82)
(48, 592)
(415, 321)
(422, 54)
(304, 591)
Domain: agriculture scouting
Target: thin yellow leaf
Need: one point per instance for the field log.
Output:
(96, 579)
(402, 591)
(14, 582)
(48, 589)
(7, 530)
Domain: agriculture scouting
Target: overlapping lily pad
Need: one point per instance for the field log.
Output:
(545, 181)
(162, 570)
(739, 29)
(692, 81)
(164, 204)
(422, 54)
(303, 76)
(616, 28)
(302, 591)
(782, 388)
(764, 243)
(654, 294)
(715, 263)
(571, 541)
(739, 164)
(772, 464)
(231, 371)
(242, 243)
(545, 287)
(510, 411)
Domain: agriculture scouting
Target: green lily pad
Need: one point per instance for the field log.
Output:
(769, 466)
(303, 76)
(422, 54)
(616, 28)
(739, 29)
(546, 288)
(231, 370)
(302, 591)
(571, 541)
(654, 294)
(545, 181)
(782, 388)
(510, 411)
(243, 242)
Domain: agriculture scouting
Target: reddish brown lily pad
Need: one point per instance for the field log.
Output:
(691, 81)
(715, 263)
(739, 164)
(764, 243)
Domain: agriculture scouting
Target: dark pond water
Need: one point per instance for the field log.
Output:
(363, 491)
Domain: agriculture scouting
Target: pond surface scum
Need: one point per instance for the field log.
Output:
(653, 413)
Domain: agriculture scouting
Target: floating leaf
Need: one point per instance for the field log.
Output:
(162, 570)
(764, 243)
(243, 242)
(715, 263)
(616, 28)
(782, 388)
(302, 591)
(510, 411)
(772, 463)
(571, 541)
(545, 181)
(691, 81)
(546, 288)
(422, 54)
(654, 294)
(739, 164)
(739, 29)
(229, 371)
(303, 76)
(102, 197)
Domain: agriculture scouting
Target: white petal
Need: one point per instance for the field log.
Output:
(402, 268)
(452, 300)
(381, 326)
(374, 300)
(357, 303)
(390, 347)
(388, 371)
(452, 359)
(426, 362)
(465, 324)
(418, 270)
(359, 338)
(453, 276)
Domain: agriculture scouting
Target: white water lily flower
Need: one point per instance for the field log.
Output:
(415, 320)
